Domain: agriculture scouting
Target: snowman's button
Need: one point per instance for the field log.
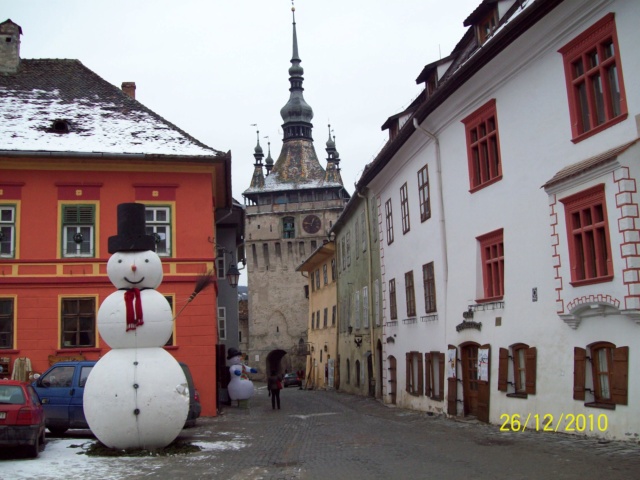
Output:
(136, 411)
(135, 385)
(135, 363)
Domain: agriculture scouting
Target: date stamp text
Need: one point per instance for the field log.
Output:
(548, 422)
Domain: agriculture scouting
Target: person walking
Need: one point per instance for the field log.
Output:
(274, 385)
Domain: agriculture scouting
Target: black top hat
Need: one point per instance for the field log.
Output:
(131, 235)
(233, 352)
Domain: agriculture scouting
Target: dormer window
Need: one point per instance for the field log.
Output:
(60, 126)
(486, 26)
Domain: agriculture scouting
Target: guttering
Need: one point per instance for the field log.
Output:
(443, 224)
(217, 156)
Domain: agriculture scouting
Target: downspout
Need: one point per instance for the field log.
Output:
(370, 287)
(443, 229)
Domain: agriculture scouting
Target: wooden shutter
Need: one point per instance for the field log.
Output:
(452, 388)
(420, 374)
(484, 390)
(408, 373)
(503, 369)
(620, 381)
(428, 392)
(530, 355)
(579, 372)
(440, 395)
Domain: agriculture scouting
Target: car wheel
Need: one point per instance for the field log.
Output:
(33, 450)
(57, 430)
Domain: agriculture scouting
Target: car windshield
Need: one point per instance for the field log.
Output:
(290, 375)
(11, 395)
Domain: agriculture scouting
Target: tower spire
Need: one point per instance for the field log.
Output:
(257, 181)
(297, 114)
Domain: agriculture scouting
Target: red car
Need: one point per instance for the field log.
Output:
(21, 417)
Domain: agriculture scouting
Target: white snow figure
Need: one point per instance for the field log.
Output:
(136, 396)
(240, 387)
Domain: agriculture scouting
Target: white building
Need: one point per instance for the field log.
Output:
(509, 223)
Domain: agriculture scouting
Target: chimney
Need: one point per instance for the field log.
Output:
(129, 89)
(9, 46)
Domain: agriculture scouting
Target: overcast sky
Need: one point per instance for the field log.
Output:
(214, 67)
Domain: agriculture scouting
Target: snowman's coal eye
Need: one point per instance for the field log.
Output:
(119, 260)
(146, 260)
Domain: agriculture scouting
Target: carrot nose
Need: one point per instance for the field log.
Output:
(133, 268)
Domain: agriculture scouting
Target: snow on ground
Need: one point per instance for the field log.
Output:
(63, 459)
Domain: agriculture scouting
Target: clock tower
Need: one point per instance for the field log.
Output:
(289, 212)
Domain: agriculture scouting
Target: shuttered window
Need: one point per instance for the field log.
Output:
(517, 370)
(414, 374)
(601, 375)
(434, 366)
(78, 229)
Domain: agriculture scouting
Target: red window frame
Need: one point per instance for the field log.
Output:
(588, 236)
(593, 70)
(404, 208)
(389, 219)
(492, 255)
(423, 193)
(483, 146)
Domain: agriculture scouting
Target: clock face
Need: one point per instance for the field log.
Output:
(311, 224)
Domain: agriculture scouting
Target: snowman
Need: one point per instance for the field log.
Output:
(136, 395)
(240, 387)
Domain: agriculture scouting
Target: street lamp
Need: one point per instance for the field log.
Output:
(233, 274)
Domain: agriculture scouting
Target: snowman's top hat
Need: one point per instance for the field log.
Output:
(233, 352)
(131, 235)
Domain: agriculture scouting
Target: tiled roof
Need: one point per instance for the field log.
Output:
(575, 169)
(101, 118)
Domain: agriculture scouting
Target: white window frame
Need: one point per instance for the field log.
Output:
(365, 307)
(7, 231)
(222, 323)
(155, 227)
(70, 230)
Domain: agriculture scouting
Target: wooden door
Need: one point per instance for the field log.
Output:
(470, 379)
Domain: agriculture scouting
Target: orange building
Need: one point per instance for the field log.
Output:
(72, 148)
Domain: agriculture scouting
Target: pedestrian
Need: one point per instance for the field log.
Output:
(274, 385)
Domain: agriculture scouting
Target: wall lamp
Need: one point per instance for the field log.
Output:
(358, 340)
(233, 274)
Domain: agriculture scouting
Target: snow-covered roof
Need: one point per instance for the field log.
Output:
(99, 116)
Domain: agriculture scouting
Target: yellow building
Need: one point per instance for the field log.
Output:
(320, 270)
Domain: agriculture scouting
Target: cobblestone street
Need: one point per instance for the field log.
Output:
(330, 435)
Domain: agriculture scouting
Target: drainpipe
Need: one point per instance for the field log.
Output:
(443, 229)
(370, 286)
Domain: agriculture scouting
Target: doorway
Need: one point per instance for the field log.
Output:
(393, 384)
(475, 380)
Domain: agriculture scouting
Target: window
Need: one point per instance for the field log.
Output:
(348, 248)
(429, 281)
(483, 147)
(222, 323)
(6, 323)
(410, 294)
(333, 269)
(374, 222)
(414, 381)
(333, 315)
(325, 274)
(348, 371)
(593, 72)
(265, 254)
(326, 317)
(317, 277)
(434, 375)
(78, 322)
(393, 306)
(517, 370)
(158, 224)
(356, 233)
(317, 318)
(343, 250)
(389, 219)
(220, 264)
(486, 26)
(364, 231)
(313, 320)
(492, 257)
(423, 193)
(606, 381)
(588, 236)
(365, 307)
(356, 303)
(404, 208)
(376, 302)
(78, 224)
(7, 231)
(288, 227)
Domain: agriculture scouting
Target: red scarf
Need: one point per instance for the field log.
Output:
(134, 308)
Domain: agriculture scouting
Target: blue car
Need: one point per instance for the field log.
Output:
(61, 390)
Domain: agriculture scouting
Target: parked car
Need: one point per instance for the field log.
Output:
(22, 418)
(291, 379)
(61, 390)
